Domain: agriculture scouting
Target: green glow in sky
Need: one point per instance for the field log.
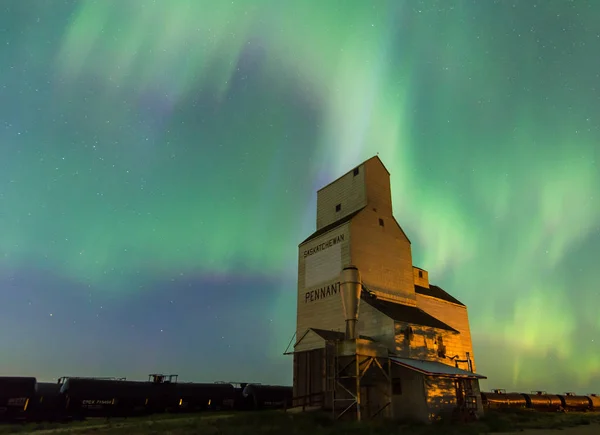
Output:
(199, 120)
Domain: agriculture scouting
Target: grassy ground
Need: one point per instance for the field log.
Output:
(272, 423)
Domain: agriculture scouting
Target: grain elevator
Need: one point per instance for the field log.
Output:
(374, 338)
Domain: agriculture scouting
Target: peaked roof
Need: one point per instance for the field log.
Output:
(376, 157)
(351, 170)
(329, 335)
(435, 368)
(331, 226)
(351, 215)
(404, 313)
(437, 292)
(335, 335)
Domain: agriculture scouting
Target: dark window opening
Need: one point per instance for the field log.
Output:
(355, 172)
(380, 222)
(441, 350)
(396, 387)
(420, 274)
(338, 207)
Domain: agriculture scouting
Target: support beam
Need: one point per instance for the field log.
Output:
(361, 366)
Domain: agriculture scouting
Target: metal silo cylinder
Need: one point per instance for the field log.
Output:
(350, 288)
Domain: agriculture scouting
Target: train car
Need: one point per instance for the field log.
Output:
(238, 402)
(89, 397)
(16, 394)
(595, 401)
(541, 401)
(193, 397)
(49, 404)
(162, 394)
(260, 397)
(573, 402)
(501, 399)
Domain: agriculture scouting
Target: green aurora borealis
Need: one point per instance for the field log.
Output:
(179, 143)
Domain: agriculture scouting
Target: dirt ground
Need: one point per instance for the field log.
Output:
(592, 429)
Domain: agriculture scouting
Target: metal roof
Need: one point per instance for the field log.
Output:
(437, 292)
(375, 157)
(404, 313)
(334, 335)
(332, 226)
(329, 335)
(434, 368)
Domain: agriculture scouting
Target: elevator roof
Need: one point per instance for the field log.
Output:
(437, 292)
(405, 313)
(434, 368)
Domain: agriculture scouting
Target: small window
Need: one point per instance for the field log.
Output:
(380, 222)
(441, 350)
(396, 387)
(338, 207)
(420, 274)
(355, 172)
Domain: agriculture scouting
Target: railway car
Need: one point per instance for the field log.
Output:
(49, 404)
(595, 401)
(267, 396)
(542, 401)
(502, 399)
(78, 398)
(162, 394)
(16, 394)
(89, 397)
(238, 402)
(573, 402)
(194, 397)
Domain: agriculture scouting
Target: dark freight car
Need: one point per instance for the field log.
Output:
(105, 398)
(161, 397)
(267, 396)
(49, 404)
(541, 401)
(16, 394)
(572, 402)
(199, 397)
(501, 399)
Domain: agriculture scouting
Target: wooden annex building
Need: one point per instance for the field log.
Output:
(373, 337)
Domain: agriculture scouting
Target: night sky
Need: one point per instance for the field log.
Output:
(159, 162)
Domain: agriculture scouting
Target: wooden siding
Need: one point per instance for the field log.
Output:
(426, 342)
(376, 325)
(327, 312)
(309, 373)
(455, 316)
(309, 341)
(348, 191)
(378, 187)
(441, 396)
(421, 277)
(410, 400)
(382, 253)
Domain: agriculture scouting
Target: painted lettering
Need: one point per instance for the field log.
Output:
(16, 401)
(322, 292)
(96, 402)
(321, 247)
